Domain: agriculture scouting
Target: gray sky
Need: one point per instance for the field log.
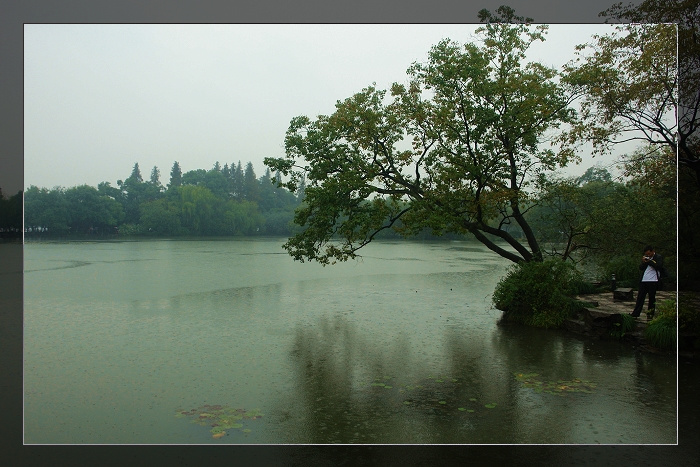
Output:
(98, 98)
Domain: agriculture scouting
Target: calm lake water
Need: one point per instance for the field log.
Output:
(231, 341)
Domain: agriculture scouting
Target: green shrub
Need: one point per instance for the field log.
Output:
(625, 268)
(130, 229)
(627, 324)
(661, 331)
(537, 293)
(582, 287)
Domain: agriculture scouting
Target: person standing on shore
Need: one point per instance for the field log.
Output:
(652, 264)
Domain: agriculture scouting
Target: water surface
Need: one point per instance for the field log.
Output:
(131, 342)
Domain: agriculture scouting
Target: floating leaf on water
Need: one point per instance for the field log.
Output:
(490, 406)
(559, 387)
(462, 409)
(378, 384)
(388, 387)
(219, 418)
(246, 430)
(470, 410)
(407, 402)
(218, 435)
(472, 399)
(439, 381)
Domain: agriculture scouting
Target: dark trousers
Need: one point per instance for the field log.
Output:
(644, 289)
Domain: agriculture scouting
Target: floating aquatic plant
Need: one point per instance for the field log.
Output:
(220, 418)
(559, 387)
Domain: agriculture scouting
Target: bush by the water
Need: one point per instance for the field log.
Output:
(626, 325)
(538, 293)
(661, 331)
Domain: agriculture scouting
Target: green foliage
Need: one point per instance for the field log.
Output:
(89, 210)
(537, 293)
(47, 210)
(661, 332)
(476, 115)
(626, 324)
(11, 213)
(161, 217)
(584, 287)
(603, 219)
(625, 269)
(628, 82)
(198, 203)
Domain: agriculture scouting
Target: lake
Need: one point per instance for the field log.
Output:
(231, 341)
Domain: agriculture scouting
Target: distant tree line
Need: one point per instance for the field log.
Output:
(10, 215)
(222, 201)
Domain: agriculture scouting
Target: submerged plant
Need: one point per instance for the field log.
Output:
(220, 417)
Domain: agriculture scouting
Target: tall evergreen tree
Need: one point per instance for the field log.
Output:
(134, 193)
(251, 187)
(175, 176)
(155, 176)
(237, 181)
(136, 173)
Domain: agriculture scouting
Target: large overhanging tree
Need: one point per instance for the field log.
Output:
(629, 80)
(686, 16)
(457, 148)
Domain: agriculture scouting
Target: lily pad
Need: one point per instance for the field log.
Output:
(220, 418)
(559, 387)
(490, 406)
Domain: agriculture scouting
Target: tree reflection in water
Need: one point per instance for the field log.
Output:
(353, 388)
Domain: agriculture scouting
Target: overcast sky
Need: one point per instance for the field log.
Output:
(99, 98)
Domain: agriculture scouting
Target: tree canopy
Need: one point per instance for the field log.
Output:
(628, 85)
(197, 203)
(475, 116)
